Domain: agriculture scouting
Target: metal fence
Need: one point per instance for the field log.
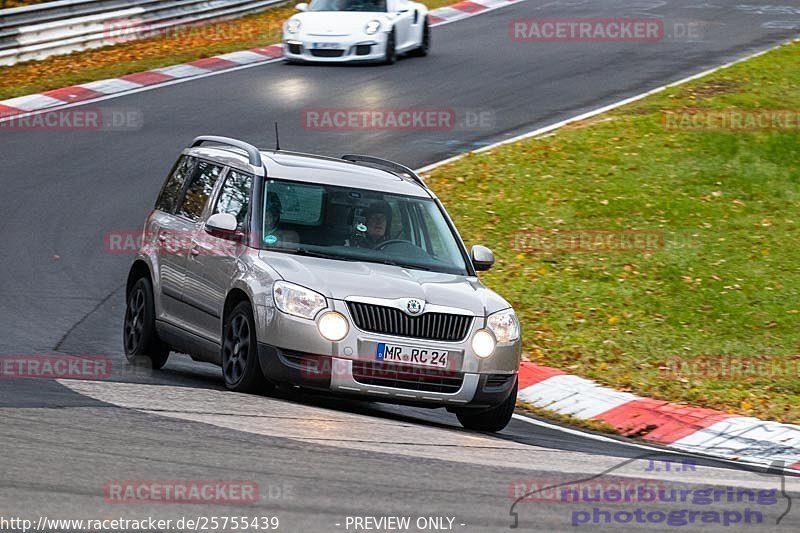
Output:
(41, 30)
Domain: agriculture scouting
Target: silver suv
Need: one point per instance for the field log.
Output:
(343, 275)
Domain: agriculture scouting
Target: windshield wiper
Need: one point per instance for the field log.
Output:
(312, 253)
(308, 253)
(397, 264)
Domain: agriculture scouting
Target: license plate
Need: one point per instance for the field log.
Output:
(394, 353)
(325, 46)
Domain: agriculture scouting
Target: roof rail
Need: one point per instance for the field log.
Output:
(252, 152)
(385, 164)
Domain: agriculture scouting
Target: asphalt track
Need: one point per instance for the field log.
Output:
(316, 460)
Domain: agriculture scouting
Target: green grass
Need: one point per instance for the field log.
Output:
(726, 282)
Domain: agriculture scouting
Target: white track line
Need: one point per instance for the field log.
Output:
(601, 110)
(205, 75)
(662, 450)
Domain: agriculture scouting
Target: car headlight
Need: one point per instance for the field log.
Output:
(333, 326)
(372, 27)
(504, 325)
(293, 25)
(483, 343)
(298, 301)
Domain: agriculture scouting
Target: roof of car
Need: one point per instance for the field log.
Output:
(297, 166)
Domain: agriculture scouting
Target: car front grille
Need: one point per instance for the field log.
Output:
(405, 377)
(391, 321)
(327, 53)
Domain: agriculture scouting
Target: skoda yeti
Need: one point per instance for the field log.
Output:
(341, 275)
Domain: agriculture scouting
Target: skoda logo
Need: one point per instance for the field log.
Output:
(415, 306)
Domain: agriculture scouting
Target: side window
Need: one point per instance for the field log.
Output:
(234, 198)
(200, 188)
(171, 191)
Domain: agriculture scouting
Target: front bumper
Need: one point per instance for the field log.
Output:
(338, 50)
(385, 383)
(294, 352)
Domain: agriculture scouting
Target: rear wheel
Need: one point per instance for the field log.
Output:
(240, 366)
(493, 419)
(390, 55)
(142, 345)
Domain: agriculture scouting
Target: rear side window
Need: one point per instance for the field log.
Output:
(171, 191)
(234, 199)
(199, 190)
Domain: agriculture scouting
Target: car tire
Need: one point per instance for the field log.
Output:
(240, 367)
(142, 345)
(390, 55)
(425, 46)
(493, 419)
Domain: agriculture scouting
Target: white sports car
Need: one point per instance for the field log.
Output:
(340, 31)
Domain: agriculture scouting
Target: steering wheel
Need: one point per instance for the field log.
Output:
(390, 242)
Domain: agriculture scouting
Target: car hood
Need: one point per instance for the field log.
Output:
(338, 23)
(342, 279)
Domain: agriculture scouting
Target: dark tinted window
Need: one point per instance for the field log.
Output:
(199, 190)
(349, 5)
(234, 198)
(171, 191)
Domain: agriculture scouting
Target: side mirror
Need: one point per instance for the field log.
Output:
(302, 6)
(222, 225)
(482, 257)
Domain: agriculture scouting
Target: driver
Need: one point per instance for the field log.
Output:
(377, 217)
(272, 217)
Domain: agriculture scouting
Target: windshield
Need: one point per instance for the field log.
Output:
(348, 5)
(359, 225)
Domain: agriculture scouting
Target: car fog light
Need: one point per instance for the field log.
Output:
(483, 343)
(333, 326)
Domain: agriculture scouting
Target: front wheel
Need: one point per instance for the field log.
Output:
(493, 419)
(390, 55)
(240, 366)
(425, 45)
(142, 345)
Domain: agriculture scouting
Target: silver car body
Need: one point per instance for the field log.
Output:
(193, 288)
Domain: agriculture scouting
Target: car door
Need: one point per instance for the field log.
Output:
(403, 11)
(163, 234)
(214, 260)
(190, 214)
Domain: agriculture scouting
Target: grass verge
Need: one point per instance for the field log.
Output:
(710, 317)
(179, 46)
(568, 420)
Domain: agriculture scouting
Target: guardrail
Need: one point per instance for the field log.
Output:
(42, 30)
